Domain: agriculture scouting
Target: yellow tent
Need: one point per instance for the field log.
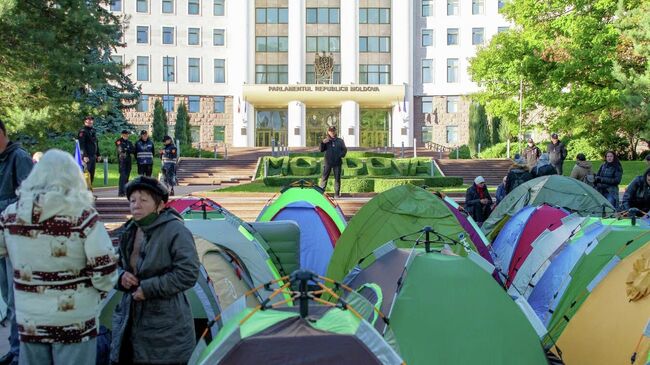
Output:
(608, 327)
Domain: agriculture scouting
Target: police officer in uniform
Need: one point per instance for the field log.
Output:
(89, 146)
(144, 154)
(169, 156)
(124, 149)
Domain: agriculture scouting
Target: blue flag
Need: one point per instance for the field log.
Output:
(77, 155)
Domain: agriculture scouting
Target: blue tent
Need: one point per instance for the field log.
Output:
(504, 245)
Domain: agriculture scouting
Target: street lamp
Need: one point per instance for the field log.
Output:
(169, 75)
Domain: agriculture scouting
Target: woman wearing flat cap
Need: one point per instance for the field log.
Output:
(153, 323)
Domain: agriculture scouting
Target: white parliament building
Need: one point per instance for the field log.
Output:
(256, 71)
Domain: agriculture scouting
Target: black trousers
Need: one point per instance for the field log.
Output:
(145, 170)
(90, 166)
(558, 167)
(327, 169)
(125, 171)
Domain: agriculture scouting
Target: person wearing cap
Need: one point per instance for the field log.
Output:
(557, 153)
(169, 156)
(478, 201)
(582, 170)
(64, 263)
(158, 262)
(124, 149)
(144, 148)
(89, 146)
(543, 167)
(335, 150)
(531, 153)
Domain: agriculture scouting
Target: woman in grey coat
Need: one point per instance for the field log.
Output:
(153, 323)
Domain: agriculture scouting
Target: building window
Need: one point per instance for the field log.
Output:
(220, 133)
(374, 44)
(323, 44)
(452, 70)
(478, 7)
(427, 37)
(193, 7)
(452, 36)
(195, 134)
(219, 70)
(272, 44)
(143, 68)
(452, 7)
(427, 71)
(501, 4)
(143, 104)
(427, 104)
(502, 29)
(452, 134)
(219, 8)
(193, 104)
(142, 36)
(452, 104)
(427, 133)
(193, 36)
(117, 59)
(477, 36)
(168, 35)
(116, 5)
(427, 8)
(310, 77)
(219, 104)
(374, 15)
(168, 6)
(323, 16)
(194, 70)
(218, 37)
(374, 74)
(271, 74)
(272, 15)
(168, 103)
(142, 6)
(169, 69)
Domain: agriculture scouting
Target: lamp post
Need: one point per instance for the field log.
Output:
(521, 102)
(169, 74)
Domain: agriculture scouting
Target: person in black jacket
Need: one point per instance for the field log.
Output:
(169, 156)
(637, 194)
(478, 201)
(335, 150)
(517, 175)
(144, 148)
(608, 177)
(124, 151)
(543, 167)
(557, 153)
(89, 146)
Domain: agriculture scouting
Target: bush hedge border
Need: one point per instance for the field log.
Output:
(365, 185)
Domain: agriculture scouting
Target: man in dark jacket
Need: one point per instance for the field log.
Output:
(517, 175)
(169, 156)
(478, 201)
(144, 154)
(557, 153)
(531, 153)
(15, 165)
(124, 149)
(637, 194)
(335, 150)
(89, 146)
(543, 167)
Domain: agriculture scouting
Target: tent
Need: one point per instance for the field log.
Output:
(555, 190)
(394, 213)
(190, 207)
(321, 222)
(468, 223)
(606, 328)
(305, 334)
(445, 309)
(604, 253)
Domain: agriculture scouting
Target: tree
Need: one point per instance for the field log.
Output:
(495, 130)
(182, 120)
(159, 121)
(478, 127)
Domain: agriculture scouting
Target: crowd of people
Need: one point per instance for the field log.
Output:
(534, 163)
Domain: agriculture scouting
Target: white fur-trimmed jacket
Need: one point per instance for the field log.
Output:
(63, 267)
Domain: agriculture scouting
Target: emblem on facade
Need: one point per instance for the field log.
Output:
(324, 68)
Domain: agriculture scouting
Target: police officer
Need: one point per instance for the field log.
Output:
(89, 146)
(144, 154)
(169, 156)
(124, 149)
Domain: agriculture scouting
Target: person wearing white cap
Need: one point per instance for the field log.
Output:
(478, 201)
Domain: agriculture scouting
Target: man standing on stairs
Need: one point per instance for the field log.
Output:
(169, 157)
(144, 154)
(335, 150)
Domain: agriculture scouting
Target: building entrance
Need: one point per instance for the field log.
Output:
(374, 128)
(270, 125)
(318, 120)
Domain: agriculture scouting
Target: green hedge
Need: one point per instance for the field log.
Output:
(443, 181)
(353, 167)
(463, 153)
(387, 184)
(303, 166)
(351, 154)
(357, 185)
(379, 166)
(286, 180)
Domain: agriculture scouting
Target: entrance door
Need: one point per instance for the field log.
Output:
(318, 120)
(271, 125)
(375, 128)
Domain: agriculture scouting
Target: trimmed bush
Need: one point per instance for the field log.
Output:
(403, 165)
(386, 184)
(443, 181)
(463, 153)
(351, 154)
(354, 185)
(286, 180)
(353, 167)
(303, 166)
(379, 166)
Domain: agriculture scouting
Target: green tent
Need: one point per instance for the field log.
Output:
(399, 211)
(554, 190)
(445, 309)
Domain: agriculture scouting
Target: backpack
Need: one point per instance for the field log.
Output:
(589, 179)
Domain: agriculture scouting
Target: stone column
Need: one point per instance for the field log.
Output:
(239, 68)
(402, 70)
(296, 121)
(296, 41)
(350, 70)
(350, 123)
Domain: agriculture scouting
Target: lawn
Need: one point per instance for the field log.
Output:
(114, 174)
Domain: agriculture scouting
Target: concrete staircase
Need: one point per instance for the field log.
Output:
(220, 173)
(492, 170)
(113, 210)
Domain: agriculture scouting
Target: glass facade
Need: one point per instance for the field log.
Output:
(374, 127)
(270, 125)
(318, 120)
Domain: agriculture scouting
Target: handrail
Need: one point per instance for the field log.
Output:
(437, 147)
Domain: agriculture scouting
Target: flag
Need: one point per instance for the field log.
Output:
(245, 106)
(77, 155)
(399, 108)
(404, 107)
(238, 105)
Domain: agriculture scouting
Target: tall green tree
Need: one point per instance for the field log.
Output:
(478, 127)
(182, 121)
(495, 129)
(159, 121)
